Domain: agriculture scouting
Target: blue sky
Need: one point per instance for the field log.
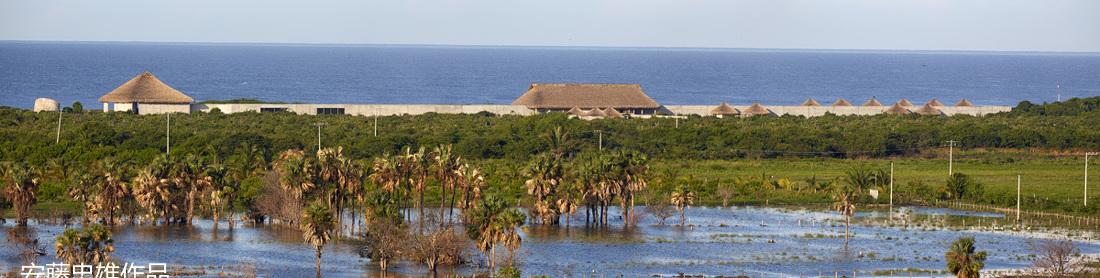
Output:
(1001, 25)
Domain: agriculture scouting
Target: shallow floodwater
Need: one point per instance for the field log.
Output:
(718, 241)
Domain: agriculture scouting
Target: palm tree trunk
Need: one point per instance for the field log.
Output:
(682, 219)
(319, 261)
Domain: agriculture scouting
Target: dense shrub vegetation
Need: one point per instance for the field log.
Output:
(85, 137)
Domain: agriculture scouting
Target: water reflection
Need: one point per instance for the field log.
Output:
(717, 241)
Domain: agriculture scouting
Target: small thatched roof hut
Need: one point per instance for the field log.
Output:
(576, 111)
(934, 102)
(724, 109)
(896, 109)
(872, 102)
(905, 103)
(964, 103)
(612, 113)
(595, 112)
(755, 110)
(842, 102)
(928, 110)
(145, 88)
(810, 102)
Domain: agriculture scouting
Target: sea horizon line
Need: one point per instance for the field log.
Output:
(568, 47)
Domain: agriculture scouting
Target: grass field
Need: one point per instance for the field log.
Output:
(1050, 183)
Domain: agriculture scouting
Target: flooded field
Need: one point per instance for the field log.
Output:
(748, 241)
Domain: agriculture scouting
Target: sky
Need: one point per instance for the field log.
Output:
(981, 25)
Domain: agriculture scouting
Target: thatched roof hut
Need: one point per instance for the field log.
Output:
(724, 109)
(576, 111)
(842, 102)
(964, 103)
(145, 88)
(755, 110)
(585, 96)
(928, 110)
(595, 112)
(612, 113)
(872, 102)
(934, 102)
(905, 103)
(896, 109)
(810, 102)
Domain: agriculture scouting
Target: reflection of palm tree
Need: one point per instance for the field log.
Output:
(317, 226)
(682, 198)
(22, 186)
(963, 261)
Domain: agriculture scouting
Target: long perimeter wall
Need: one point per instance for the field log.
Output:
(702, 110)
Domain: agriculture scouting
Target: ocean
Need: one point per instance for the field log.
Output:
(82, 72)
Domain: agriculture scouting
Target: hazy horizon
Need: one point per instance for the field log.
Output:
(932, 25)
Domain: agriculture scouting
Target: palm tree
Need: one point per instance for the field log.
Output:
(963, 261)
(386, 174)
(21, 189)
(682, 198)
(544, 174)
(92, 245)
(447, 167)
(567, 203)
(81, 191)
(112, 189)
(471, 180)
(296, 175)
(317, 226)
(844, 199)
(494, 222)
(249, 161)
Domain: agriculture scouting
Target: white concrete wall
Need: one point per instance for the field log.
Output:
(374, 109)
(150, 108)
(813, 111)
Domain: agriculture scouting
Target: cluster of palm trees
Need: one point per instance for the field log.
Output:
(20, 183)
(592, 180)
(407, 178)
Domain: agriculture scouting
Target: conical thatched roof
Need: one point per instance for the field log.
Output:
(964, 103)
(810, 102)
(896, 109)
(928, 110)
(724, 109)
(576, 111)
(905, 102)
(755, 110)
(934, 102)
(587, 96)
(145, 88)
(595, 112)
(842, 102)
(612, 113)
(872, 102)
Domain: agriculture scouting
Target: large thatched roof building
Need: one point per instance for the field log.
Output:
(145, 94)
(627, 98)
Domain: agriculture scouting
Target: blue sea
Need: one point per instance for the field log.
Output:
(496, 75)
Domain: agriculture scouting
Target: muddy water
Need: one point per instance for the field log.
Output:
(718, 241)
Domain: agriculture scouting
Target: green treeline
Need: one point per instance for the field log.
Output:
(90, 136)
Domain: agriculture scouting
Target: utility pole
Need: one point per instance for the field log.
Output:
(1087, 154)
(319, 124)
(375, 126)
(600, 132)
(168, 134)
(951, 157)
(58, 140)
(1017, 198)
